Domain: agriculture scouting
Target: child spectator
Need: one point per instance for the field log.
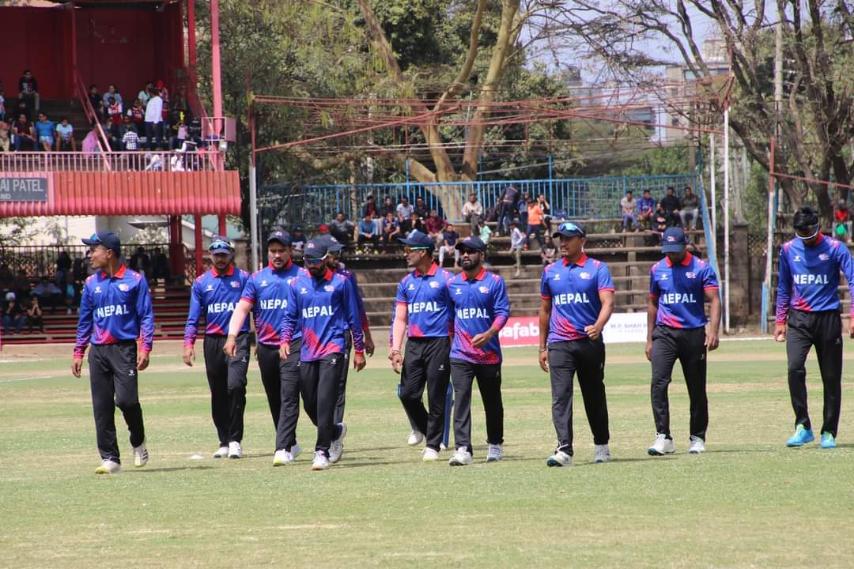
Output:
(111, 97)
(114, 116)
(65, 136)
(485, 232)
(130, 138)
(137, 114)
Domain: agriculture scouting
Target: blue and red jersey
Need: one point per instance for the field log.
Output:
(573, 289)
(323, 309)
(680, 290)
(217, 295)
(429, 310)
(808, 280)
(267, 291)
(115, 309)
(479, 303)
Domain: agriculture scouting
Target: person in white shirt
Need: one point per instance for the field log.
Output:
(517, 243)
(627, 207)
(472, 212)
(154, 120)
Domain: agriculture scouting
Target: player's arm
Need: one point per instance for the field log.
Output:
(545, 315)
(350, 298)
(290, 319)
(363, 315)
(784, 291)
(238, 317)
(606, 297)
(713, 334)
(398, 333)
(84, 331)
(145, 309)
(501, 312)
(651, 311)
(846, 264)
(192, 326)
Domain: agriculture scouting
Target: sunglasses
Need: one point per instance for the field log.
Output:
(95, 239)
(220, 244)
(570, 227)
(465, 251)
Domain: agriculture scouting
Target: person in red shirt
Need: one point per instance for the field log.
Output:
(434, 226)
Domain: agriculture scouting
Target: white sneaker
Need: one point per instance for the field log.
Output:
(140, 455)
(559, 458)
(661, 446)
(295, 450)
(221, 452)
(494, 453)
(108, 467)
(698, 445)
(336, 449)
(415, 438)
(461, 458)
(443, 446)
(234, 450)
(601, 453)
(429, 455)
(282, 457)
(320, 461)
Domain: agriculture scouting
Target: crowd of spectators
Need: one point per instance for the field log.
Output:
(672, 210)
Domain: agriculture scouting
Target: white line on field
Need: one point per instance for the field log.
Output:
(32, 378)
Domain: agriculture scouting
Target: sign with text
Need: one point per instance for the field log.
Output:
(23, 188)
(622, 327)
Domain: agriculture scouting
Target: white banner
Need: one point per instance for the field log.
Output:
(625, 327)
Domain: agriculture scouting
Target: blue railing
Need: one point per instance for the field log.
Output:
(573, 198)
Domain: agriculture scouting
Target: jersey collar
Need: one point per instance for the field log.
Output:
(478, 277)
(580, 262)
(430, 272)
(685, 262)
(227, 273)
(120, 273)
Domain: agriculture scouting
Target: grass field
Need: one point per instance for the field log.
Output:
(747, 502)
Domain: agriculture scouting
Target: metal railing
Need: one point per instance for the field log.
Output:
(569, 198)
(139, 161)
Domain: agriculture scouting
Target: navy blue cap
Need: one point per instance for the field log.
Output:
(107, 239)
(316, 249)
(220, 244)
(418, 240)
(568, 229)
(332, 245)
(673, 240)
(473, 243)
(280, 236)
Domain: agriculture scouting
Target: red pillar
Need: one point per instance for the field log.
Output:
(176, 248)
(191, 38)
(223, 229)
(199, 245)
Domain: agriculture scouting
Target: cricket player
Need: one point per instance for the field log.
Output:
(808, 315)
(115, 312)
(424, 315)
(320, 306)
(216, 293)
(577, 300)
(481, 309)
(266, 296)
(676, 329)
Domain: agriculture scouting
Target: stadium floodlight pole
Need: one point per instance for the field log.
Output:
(726, 220)
(253, 189)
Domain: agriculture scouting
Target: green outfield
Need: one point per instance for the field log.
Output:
(747, 502)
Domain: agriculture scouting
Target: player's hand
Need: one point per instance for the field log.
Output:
(230, 347)
(396, 361)
(76, 367)
(285, 350)
(593, 332)
(648, 350)
(481, 339)
(141, 360)
(712, 340)
(544, 360)
(359, 361)
(780, 331)
(189, 355)
(369, 345)
(851, 328)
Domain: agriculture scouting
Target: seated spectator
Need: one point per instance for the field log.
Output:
(689, 209)
(159, 266)
(473, 212)
(342, 229)
(841, 221)
(628, 209)
(28, 92)
(660, 220)
(548, 253)
(370, 207)
(21, 285)
(137, 114)
(95, 100)
(421, 208)
(414, 222)
(534, 230)
(13, 315)
(388, 207)
(517, 245)
(48, 293)
(646, 208)
(368, 231)
(24, 134)
(140, 262)
(65, 136)
(5, 138)
(404, 209)
(391, 229)
(111, 97)
(34, 315)
(484, 232)
(45, 130)
(434, 226)
(297, 239)
(448, 245)
(671, 206)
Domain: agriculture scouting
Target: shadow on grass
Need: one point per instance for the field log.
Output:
(172, 469)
